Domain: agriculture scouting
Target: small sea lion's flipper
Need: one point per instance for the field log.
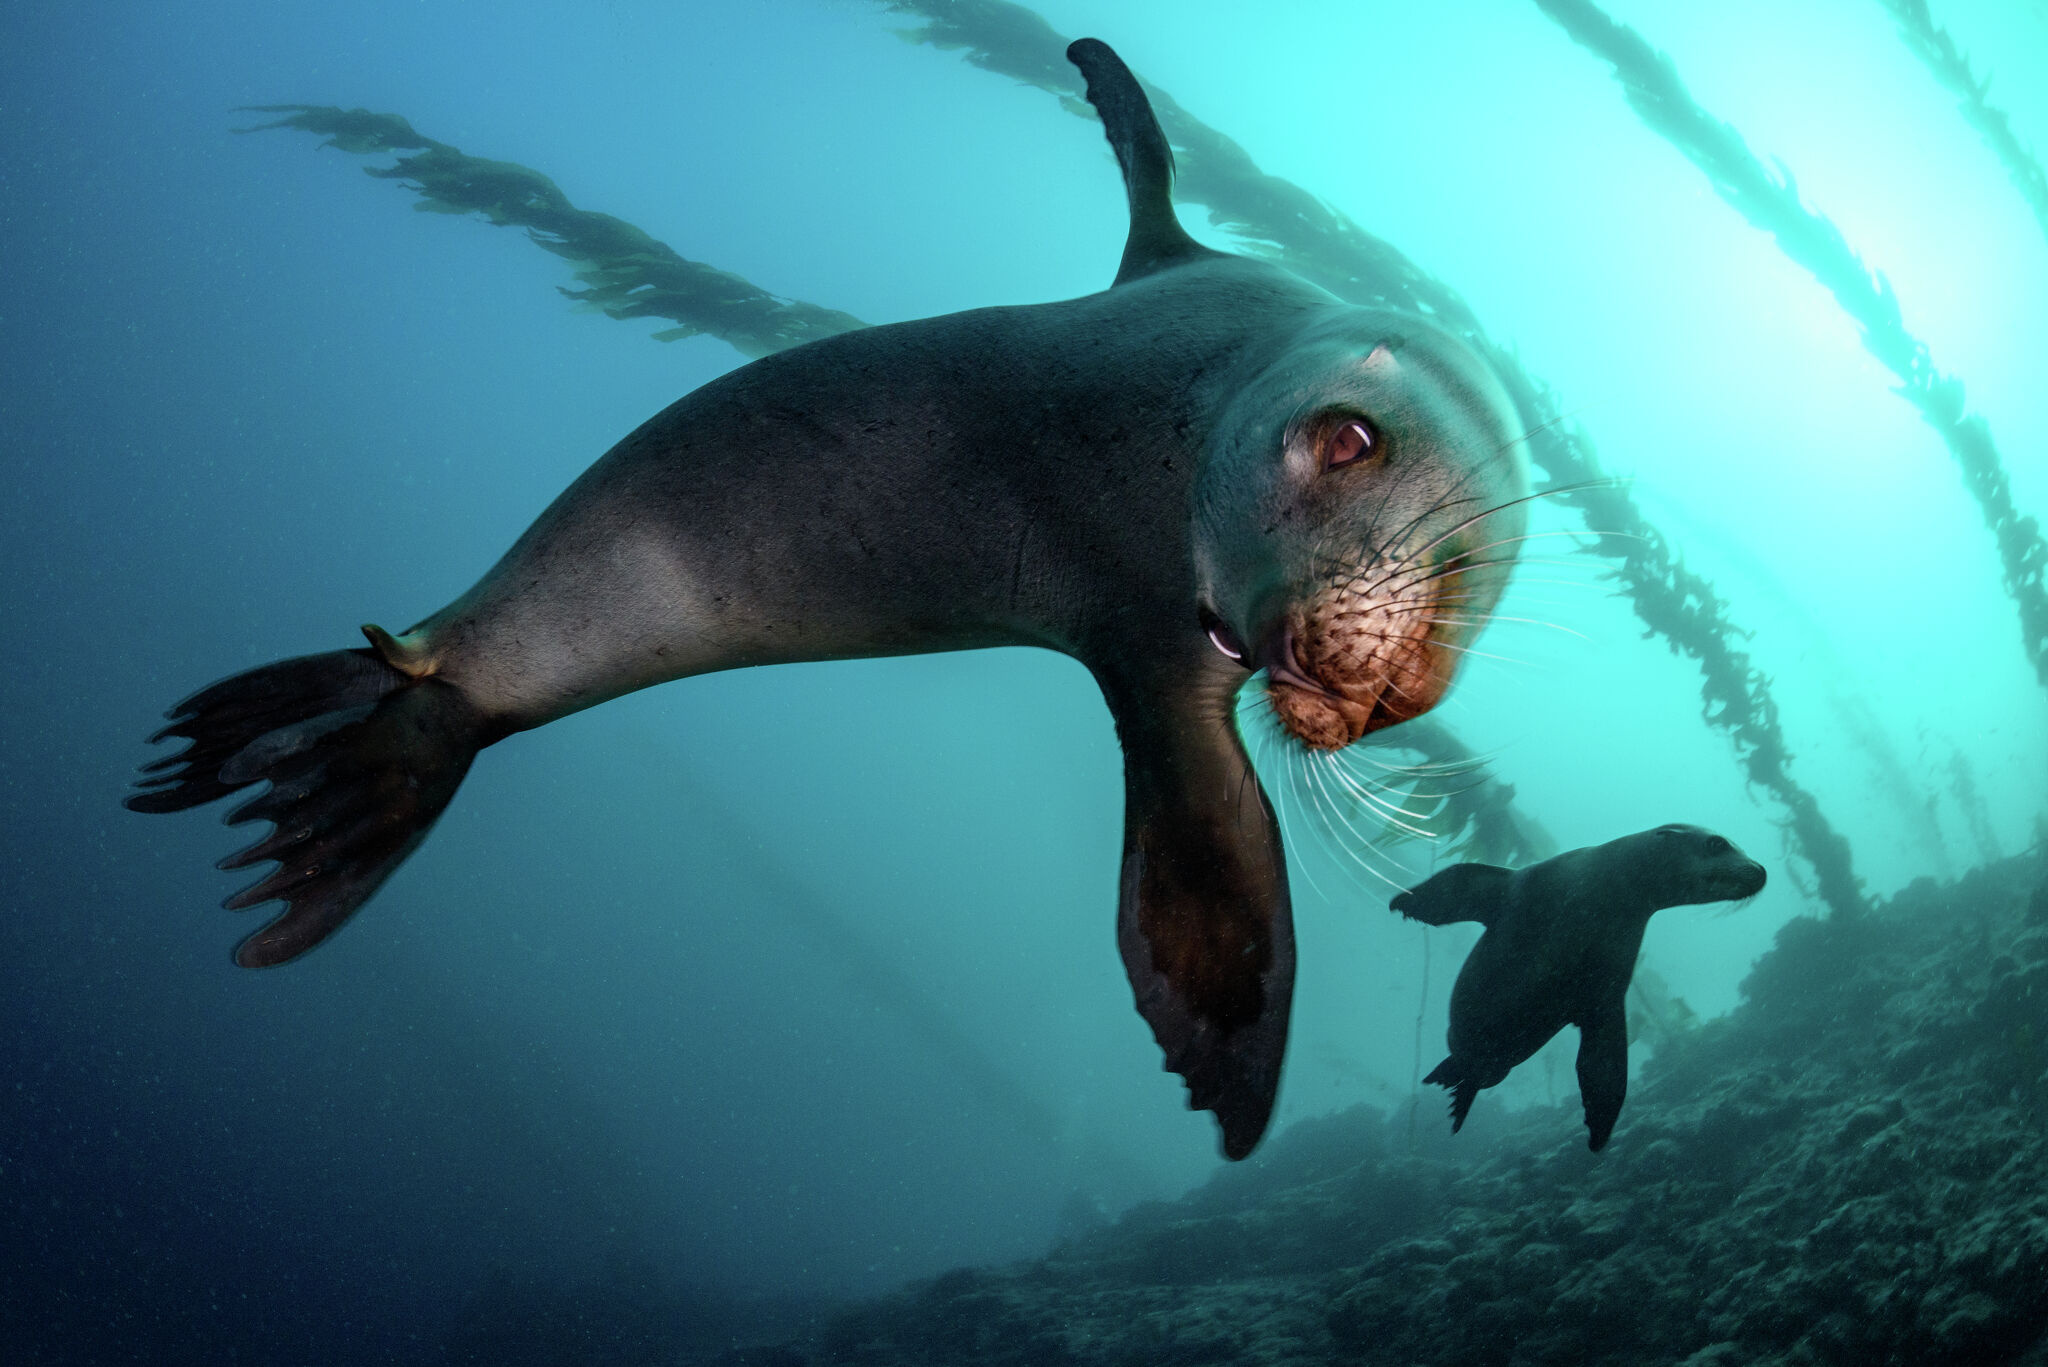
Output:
(1204, 921)
(1462, 892)
(1462, 1088)
(1603, 1072)
(1156, 237)
(361, 758)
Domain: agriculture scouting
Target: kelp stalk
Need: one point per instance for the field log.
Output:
(1938, 52)
(625, 273)
(1770, 201)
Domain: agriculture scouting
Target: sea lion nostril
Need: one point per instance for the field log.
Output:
(1280, 656)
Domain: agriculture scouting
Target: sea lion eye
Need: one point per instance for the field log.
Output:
(1222, 637)
(1719, 845)
(1349, 442)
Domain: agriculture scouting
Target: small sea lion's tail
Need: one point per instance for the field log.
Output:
(361, 758)
(1449, 1075)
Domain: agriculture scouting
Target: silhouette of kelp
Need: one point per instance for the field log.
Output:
(1936, 50)
(1769, 199)
(625, 273)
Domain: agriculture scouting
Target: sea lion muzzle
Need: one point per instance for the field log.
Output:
(1348, 664)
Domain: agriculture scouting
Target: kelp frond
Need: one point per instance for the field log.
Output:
(624, 273)
(1769, 198)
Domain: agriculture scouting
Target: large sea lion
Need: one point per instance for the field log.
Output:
(1208, 468)
(1559, 948)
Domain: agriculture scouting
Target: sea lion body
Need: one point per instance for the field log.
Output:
(1559, 949)
(1210, 467)
(1004, 476)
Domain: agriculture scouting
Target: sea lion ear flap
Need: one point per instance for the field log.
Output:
(1204, 922)
(1156, 238)
(1462, 892)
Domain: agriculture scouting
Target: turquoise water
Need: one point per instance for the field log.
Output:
(803, 979)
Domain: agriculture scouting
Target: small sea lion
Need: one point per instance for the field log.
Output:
(1559, 949)
(1208, 468)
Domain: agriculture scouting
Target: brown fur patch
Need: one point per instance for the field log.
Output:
(1372, 655)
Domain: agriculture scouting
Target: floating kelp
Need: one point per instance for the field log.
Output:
(625, 273)
(1932, 45)
(1770, 201)
(1320, 244)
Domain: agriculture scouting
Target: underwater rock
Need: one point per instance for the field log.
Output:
(1850, 1167)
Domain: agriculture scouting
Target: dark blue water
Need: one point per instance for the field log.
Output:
(801, 982)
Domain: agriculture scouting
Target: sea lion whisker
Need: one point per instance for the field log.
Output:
(1521, 538)
(1379, 787)
(1448, 570)
(1450, 532)
(1333, 808)
(1362, 754)
(1401, 475)
(1347, 550)
(1422, 550)
(1450, 601)
(1388, 811)
(1497, 617)
(1484, 655)
(1462, 559)
(1295, 780)
(1346, 556)
(1545, 427)
(1421, 770)
(1522, 583)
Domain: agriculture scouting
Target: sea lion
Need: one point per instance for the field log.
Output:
(1210, 467)
(1559, 948)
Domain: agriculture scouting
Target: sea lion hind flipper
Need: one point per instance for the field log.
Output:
(1145, 157)
(361, 760)
(1451, 1076)
(1462, 892)
(1204, 921)
(1603, 1073)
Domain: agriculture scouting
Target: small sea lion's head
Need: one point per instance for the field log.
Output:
(1357, 512)
(1690, 865)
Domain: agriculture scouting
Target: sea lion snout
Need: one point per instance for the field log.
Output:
(1697, 866)
(1350, 663)
(1749, 880)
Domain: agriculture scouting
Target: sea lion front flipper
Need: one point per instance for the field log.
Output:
(1462, 892)
(1204, 921)
(1603, 1072)
(1145, 157)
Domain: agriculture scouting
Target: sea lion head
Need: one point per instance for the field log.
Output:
(1681, 866)
(1358, 509)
